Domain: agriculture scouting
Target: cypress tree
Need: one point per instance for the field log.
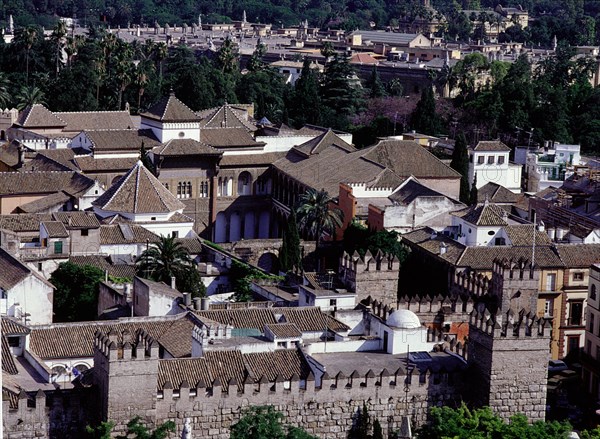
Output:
(460, 163)
(424, 119)
(289, 254)
(377, 430)
(374, 84)
(473, 195)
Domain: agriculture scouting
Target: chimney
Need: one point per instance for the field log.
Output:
(204, 304)
(443, 248)
(187, 299)
(541, 226)
(173, 282)
(197, 304)
(21, 160)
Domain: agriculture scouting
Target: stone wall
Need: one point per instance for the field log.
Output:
(372, 275)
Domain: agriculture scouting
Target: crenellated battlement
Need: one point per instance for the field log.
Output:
(521, 325)
(436, 304)
(470, 284)
(380, 261)
(514, 268)
(123, 346)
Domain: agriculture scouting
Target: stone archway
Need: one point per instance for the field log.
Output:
(269, 262)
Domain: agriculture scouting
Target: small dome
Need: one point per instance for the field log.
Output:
(404, 319)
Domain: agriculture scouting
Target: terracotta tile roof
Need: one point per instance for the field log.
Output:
(192, 245)
(254, 318)
(45, 203)
(226, 365)
(170, 109)
(408, 158)
(185, 147)
(55, 229)
(8, 361)
(95, 164)
(284, 330)
(96, 120)
(423, 239)
(311, 319)
(71, 340)
(138, 191)
(482, 257)
(412, 190)
(486, 214)
(104, 263)
(12, 271)
(496, 194)
(282, 363)
(9, 154)
(38, 116)
(322, 141)
(12, 327)
(52, 160)
(24, 222)
(14, 183)
(125, 234)
(363, 58)
(522, 234)
(251, 159)
(77, 219)
(579, 255)
(228, 138)
(117, 140)
(225, 116)
(493, 145)
(311, 130)
(194, 371)
(159, 287)
(10, 393)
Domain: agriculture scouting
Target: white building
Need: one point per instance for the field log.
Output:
(551, 166)
(489, 160)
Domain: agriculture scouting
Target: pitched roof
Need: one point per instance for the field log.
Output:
(51, 160)
(38, 116)
(96, 164)
(28, 222)
(496, 194)
(362, 58)
(55, 229)
(113, 140)
(228, 137)
(125, 234)
(12, 327)
(322, 141)
(579, 255)
(71, 340)
(159, 287)
(225, 116)
(45, 203)
(77, 219)
(412, 190)
(427, 239)
(245, 160)
(170, 109)
(482, 257)
(12, 271)
(96, 120)
(312, 319)
(185, 147)
(491, 145)
(14, 183)
(138, 191)
(283, 363)
(250, 318)
(105, 263)
(522, 234)
(284, 330)
(486, 214)
(8, 361)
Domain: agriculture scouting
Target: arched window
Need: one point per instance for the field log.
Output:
(245, 183)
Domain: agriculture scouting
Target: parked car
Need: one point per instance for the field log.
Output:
(555, 366)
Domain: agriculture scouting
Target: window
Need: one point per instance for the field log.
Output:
(572, 344)
(549, 308)
(551, 282)
(174, 234)
(576, 313)
(153, 218)
(578, 276)
(58, 247)
(14, 342)
(184, 189)
(593, 292)
(480, 160)
(181, 134)
(85, 232)
(591, 326)
(500, 159)
(597, 352)
(203, 192)
(491, 160)
(588, 348)
(471, 158)
(282, 344)
(166, 185)
(40, 266)
(500, 241)
(332, 302)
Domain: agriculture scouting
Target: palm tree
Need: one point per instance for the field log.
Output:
(164, 259)
(26, 39)
(161, 51)
(143, 70)
(5, 87)
(123, 74)
(29, 95)
(58, 37)
(316, 216)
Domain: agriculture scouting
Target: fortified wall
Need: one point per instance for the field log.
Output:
(372, 275)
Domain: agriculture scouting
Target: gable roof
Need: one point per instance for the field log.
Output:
(96, 120)
(38, 116)
(45, 203)
(28, 222)
(51, 160)
(125, 234)
(12, 271)
(486, 214)
(112, 140)
(185, 147)
(55, 229)
(44, 182)
(89, 164)
(137, 192)
(322, 141)
(491, 145)
(412, 190)
(159, 287)
(77, 219)
(228, 137)
(170, 109)
(225, 116)
(579, 255)
(496, 194)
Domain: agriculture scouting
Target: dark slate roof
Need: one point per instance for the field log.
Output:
(55, 229)
(579, 255)
(225, 116)
(486, 214)
(491, 145)
(112, 140)
(322, 141)
(38, 116)
(170, 109)
(125, 234)
(185, 147)
(96, 120)
(228, 138)
(12, 271)
(496, 194)
(138, 191)
(14, 183)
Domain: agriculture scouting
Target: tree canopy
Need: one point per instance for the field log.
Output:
(264, 422)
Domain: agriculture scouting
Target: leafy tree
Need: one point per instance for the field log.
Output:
(359, 238)
(460, 163)
(135, 430)
(266, 89)
(101, 431)
(228, 56)
(339, 92)
(425, 119)
(76, 294)
(305, 103)
(167, 258)
(256, 62)
(264, 422)
(289, 256)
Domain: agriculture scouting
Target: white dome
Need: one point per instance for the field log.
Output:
(404, 319)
